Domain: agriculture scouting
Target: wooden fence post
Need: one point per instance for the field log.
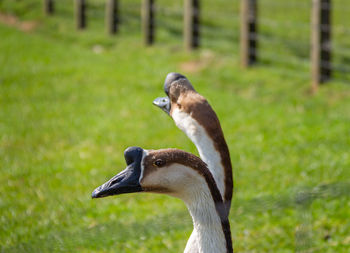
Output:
(48, 7)
(248, 36)
(112, 16)
(320, 42)
(148, 25)
(80, 15)
(191, 24)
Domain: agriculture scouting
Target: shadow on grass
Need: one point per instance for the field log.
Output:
(299, 197)
(122, 235)
(299, 200)
(116, 235)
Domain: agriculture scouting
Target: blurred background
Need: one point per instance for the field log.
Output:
(72, 99)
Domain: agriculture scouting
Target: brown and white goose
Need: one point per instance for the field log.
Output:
(192, 113)
(182, 175)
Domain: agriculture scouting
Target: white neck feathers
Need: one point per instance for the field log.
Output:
(208, 235)
(204, 144)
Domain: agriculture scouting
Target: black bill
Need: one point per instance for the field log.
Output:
(126, 181)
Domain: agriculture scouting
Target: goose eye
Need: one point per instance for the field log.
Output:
(159, 163)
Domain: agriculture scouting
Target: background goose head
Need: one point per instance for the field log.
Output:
(188, 108)
(176, 87)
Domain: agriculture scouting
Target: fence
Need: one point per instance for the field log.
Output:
(303, 36)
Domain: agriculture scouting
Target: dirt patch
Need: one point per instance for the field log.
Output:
(191, 66)
(195, 66)
(13, 21)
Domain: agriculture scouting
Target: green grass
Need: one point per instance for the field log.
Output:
(67, 114)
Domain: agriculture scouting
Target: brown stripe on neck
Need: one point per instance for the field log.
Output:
(194, 162)
(198, 107)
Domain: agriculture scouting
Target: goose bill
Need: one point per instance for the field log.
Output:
(163, 103)
(126, 181)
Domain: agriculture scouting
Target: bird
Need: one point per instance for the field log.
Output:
(182, 175)
(193, 115)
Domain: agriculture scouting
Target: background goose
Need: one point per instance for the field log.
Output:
(182, 175)
(192, 113)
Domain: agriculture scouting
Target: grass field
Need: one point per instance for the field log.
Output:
(71, 102)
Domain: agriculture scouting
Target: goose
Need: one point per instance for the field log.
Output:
(193, 115)
(182, 175)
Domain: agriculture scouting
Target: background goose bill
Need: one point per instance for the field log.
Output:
(163, 103)
(126, 181)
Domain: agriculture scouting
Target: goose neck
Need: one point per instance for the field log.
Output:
(212, 231)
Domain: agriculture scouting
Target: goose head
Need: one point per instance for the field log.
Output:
(176, 87)
(182, 175)
(168, 171)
